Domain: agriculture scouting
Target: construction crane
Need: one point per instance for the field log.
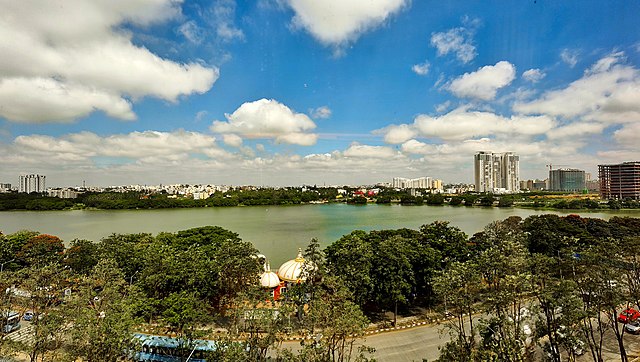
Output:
(551, 166)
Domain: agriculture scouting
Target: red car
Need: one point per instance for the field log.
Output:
(628, 315)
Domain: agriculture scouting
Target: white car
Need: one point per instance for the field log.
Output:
(632, 327)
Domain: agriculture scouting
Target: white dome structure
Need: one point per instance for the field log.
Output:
(291, 271)
(269, 279)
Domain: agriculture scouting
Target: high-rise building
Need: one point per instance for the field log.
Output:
(567, 179)
(620, 181)
(495, 171)
(416, 183)
(32, 183)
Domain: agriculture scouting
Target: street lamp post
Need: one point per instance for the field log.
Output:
(6, 262)
(131, 278)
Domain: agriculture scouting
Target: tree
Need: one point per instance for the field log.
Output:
(184, 312)
(506, 282)
(313, 272)
(42, 250)
(392, 273)
(339, 322)
(459, 286)
(597, 273)
(127, 250)
(260, 325)
(449, 241)
(351, 259)
(10, 245)
(81, 256)
(45, 286)
(101, 310)
(559, 306)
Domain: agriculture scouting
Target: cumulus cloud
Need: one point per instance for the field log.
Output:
(337, 22)
(232, 140)
(422, 68)
(483, 83)
(267, 118)
(570, 57)
(533, 75)
(417, 148)
(365, 151)
(398, 133)
(321, 112)
(628, 135)
(608, 92)
(85, 147)
(45, 99)
(457, 41)
(461, 124)
(576, 130)
(76, 56)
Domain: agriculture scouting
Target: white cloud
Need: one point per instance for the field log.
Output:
(76, 55)
(398, 134)
(485, 82)
(461, 124)
(267, 118)
(365, 151)
(608, 92)
(201, 115)
(321, 112)
(604, 64)
(46, 99)
(533, 75)
(224, 13)
(232, 140)
(574, 130)
(422, 68)
(442, 107)
(192, 32)
(570, 57)
(457, 41)
(628, 135)
(417, 148)
(147, 146)
(338, 22)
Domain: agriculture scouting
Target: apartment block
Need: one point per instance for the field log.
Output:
(32, 183)
(496, 171)
(620, 181)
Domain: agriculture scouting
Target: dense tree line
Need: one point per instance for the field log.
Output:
(548, 281)
(91, 297)
(296, 195)
(572, 273)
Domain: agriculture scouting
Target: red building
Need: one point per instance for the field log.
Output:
(620, 181)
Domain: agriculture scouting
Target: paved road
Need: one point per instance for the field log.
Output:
(408, 345)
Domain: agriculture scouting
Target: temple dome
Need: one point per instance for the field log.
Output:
(269, 279)
(291, 271)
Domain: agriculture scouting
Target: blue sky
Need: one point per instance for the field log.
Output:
(286, 92)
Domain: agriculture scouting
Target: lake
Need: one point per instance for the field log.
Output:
(277, 231)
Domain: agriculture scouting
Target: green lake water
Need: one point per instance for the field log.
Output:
(277, 231)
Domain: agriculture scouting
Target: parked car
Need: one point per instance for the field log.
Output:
(628, 315)
(633, 327)
(28, 315)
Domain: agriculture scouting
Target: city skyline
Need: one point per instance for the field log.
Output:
(294, 92)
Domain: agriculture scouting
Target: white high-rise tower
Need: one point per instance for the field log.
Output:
(496, 171)
(32, 183)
